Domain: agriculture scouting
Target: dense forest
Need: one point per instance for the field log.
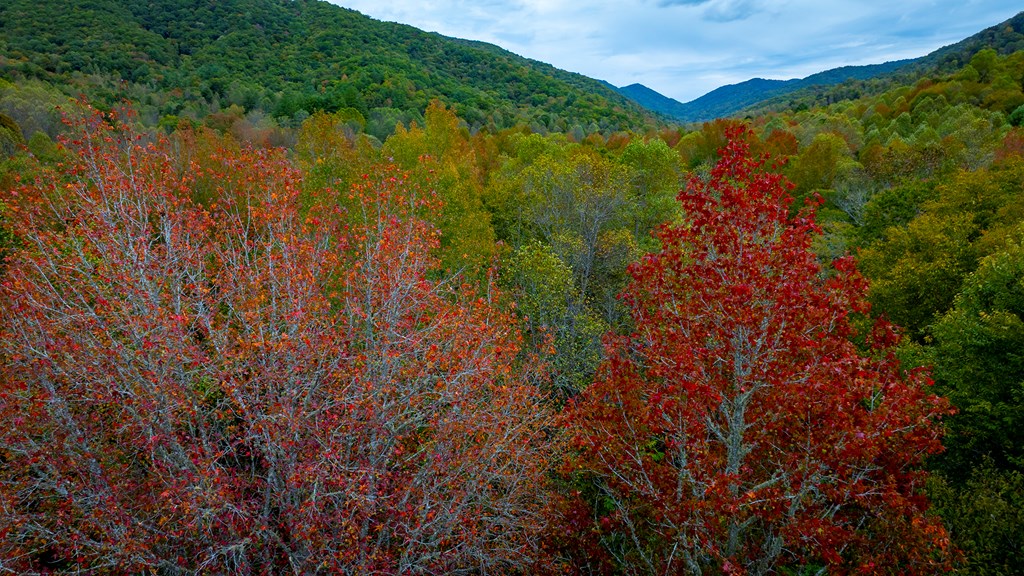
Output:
(258, 319)
(285, 59)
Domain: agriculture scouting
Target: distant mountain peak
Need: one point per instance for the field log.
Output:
(729, 99)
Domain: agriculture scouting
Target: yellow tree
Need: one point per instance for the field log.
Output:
(440, 157)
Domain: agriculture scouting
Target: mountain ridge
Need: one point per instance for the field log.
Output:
(731, 98)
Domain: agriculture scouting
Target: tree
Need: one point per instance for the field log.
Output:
(654, 174)
(555, 320)
(440, 157)
(579, 206)
(11, 138)
(332, 151)
(738, 430)
(227, 384)
(985, 62)
(985, 516)
(825, 161)
(918, 267)
(1017, 116)
(978, 365)
(916, 270)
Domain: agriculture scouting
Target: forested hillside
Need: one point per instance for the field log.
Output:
(288, 59)
(1004, 38)
(234, 341)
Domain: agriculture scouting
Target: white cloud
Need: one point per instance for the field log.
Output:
(686, 48)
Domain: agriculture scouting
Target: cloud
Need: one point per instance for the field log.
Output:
(666, 3)
(730, 10)
(716, 10)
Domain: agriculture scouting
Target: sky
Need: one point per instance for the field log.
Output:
(686, 48)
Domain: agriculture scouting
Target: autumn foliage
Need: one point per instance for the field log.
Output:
(212, 362)
(738, 430)
(198, 376)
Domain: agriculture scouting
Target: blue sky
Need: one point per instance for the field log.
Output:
(686, 48)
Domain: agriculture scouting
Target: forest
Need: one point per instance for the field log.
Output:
(282, 60)
(274, 334)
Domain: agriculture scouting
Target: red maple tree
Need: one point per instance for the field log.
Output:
(738, 430)
(201, 373)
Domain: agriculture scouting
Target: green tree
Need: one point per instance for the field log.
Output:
(332, 153)
(985, 517)
(979, 364)
(655, 178)
(821, 164)
(915, 271)
(1017, 116)
(11, 138)
(558, 325)
(985, 62)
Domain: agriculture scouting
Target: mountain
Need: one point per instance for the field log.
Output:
(288, 57)
(726, 100)
(729, 99)
(653, 100)
(1005, 38)
(832, 85)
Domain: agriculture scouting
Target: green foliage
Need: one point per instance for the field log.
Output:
(288, 58)
(567, 209)
(980, 367)
(917, 268)
(441, 158)
(332, 153)
(985, 518)
(890, 207)
(11, 139)
(985, 62)
(1017, 116)
(573, 202)
(33, 106)
(826, 160)
(916, 271)
(556, 321)
(656, 179)
(42, 147)
(8, 125)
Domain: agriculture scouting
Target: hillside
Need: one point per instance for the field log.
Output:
(1004, 39)
(288, 58)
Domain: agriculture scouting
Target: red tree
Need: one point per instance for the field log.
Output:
(738, 429)
(205, 379)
